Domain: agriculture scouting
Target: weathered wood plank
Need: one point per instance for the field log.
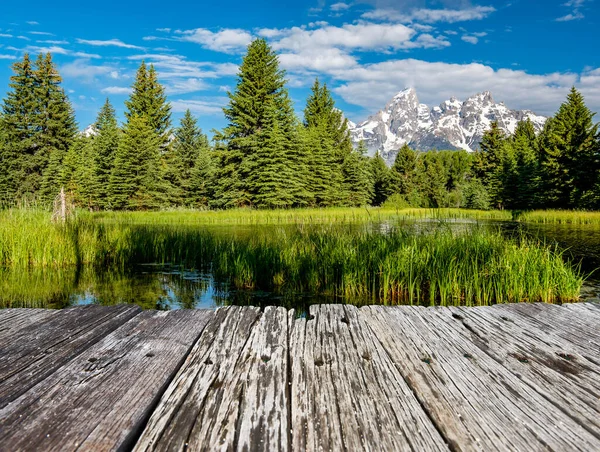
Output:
(101, 399)
(31, 354)
(579, 330)
(346, 392)
(475, 402)
(213, 402)
(14, 319)
(545, 362)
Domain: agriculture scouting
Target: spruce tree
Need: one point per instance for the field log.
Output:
(189, 142)
(104, 147)
(569, 153)
(357, 176)
(149, 101)
(489, 162)
(259, 99)
(402, 173)
(325, 176)
(320, 112)
(382, 188)
(521, 175)
(137, 180)
(57, 126)
(21, 172)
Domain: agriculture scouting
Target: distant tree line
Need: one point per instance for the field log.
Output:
(268, 158)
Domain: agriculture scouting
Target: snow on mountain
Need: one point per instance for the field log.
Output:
(89, 131)
(451, 125)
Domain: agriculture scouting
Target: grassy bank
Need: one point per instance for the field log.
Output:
(351, 263)
(574, 217)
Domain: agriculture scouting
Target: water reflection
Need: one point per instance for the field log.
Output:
(173, 287)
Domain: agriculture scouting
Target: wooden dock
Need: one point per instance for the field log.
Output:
(511, 377)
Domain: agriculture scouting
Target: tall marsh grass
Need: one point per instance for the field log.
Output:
(575, 217)
(353, 264)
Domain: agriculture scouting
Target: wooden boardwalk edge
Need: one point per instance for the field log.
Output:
(519, 377)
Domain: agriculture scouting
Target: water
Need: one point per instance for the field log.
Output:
(171, 286)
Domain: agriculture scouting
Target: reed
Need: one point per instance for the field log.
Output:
(575, 217)
(348, 262)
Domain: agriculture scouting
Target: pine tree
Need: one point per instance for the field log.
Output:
(320, 112)
(569, 153)
(182, 157)
(402, 173)
(103, 150)
(148, 100)
(489, 162)
(520, 168)
(21, 174)
(382, 188)
(358, 179)
(325, 177)
(203, 177)
(79, 172)
(259, 99)
(137, 181)
(57, 125)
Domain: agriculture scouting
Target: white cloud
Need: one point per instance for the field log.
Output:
(83, 70)
(41, 33)
(570, 17)
(5, 35)
(107, 43)
(575, 13)
(362, 36)
(119, 90)
(53, 42)
(318, 60)
(340, 6)
(227, 40)
(425, 15)
(32, 22)
(211, 107)
(176, 66)
(371, 86)
(470, 39)
(164, 30)
(269, 32)
(7, 57)
(24, 38)
(190, 85)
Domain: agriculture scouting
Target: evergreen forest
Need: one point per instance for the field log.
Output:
(266, 157)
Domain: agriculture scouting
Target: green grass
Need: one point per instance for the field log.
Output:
(316, 255)
(293, 216)
(575, 217)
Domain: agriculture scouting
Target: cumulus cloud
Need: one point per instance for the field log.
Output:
(470, 39)
(108, 43)
(362, 36)
(340, 6)
(177, 66)
(118, 90)
(429, 16)
(227, 40)
(82, 69)
(204, 107)
(370, 86)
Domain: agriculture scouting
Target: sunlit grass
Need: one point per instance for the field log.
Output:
(576, 217)
(348, 262)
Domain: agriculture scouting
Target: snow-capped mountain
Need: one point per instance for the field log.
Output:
(452, 125)
(89, 131)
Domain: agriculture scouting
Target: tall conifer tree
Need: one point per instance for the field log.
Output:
(149, 101)
(136, 181)
(260, 98)
(104, 148)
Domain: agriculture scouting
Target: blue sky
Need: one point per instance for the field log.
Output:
(527, 53)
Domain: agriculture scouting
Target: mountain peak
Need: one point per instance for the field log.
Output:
(452, 125)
